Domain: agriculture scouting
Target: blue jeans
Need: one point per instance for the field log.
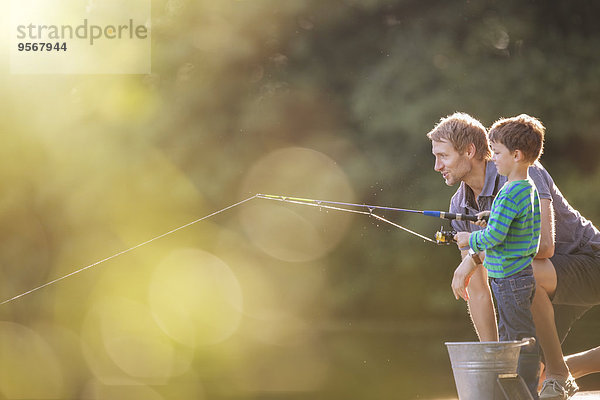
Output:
(514, 295)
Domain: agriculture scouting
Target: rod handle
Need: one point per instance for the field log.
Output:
(458, 217)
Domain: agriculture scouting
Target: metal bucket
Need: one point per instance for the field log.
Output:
(476, 366)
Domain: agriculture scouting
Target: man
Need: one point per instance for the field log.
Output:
(567, 266)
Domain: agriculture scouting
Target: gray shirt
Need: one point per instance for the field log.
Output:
(573, 233)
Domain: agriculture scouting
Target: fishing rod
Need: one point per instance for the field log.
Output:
(441, 237)
(323, 203)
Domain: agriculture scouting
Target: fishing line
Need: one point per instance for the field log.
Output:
(124, 251)
(331, 205)
(403, 228)
(314, 203)
(326, 205)
(323, 203)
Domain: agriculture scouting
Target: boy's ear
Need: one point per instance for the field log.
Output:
(518, 155)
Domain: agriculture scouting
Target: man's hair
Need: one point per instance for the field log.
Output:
(522, 132)
(461, 130)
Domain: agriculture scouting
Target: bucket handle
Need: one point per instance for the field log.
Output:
(530, 341)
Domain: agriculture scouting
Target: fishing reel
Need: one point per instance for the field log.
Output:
(445, 237)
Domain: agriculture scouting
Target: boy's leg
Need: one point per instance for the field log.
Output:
(514, 296)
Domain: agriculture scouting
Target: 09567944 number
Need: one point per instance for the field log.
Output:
(42, 46)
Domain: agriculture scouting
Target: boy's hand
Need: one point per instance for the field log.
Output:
(461, 278)
(462, 240)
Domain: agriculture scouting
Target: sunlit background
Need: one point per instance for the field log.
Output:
(321, 99)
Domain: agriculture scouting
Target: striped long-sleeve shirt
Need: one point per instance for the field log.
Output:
(511, 238)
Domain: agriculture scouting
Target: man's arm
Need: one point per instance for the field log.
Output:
(481, 305)
(547, 235)
(543, 183)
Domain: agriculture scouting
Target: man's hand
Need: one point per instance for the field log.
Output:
(480, 221)
(461, 278)
(462, 240)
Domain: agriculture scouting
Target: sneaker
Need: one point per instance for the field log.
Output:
(553, 389)
(571, 386)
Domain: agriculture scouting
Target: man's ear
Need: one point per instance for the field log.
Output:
(471, 150)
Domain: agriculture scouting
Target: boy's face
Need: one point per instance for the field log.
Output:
(452, 165)
(503, 158)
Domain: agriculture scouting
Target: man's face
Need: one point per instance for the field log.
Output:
(452, 165)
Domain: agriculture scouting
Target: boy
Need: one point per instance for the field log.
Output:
(511, 238)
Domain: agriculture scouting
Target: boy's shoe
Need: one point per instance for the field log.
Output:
(554, 389)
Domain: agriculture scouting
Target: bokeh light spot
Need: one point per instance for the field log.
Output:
(195, 298)
(294, 232)
(122, 333)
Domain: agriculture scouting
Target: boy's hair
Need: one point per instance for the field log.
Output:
(460, 130)
(522, 132)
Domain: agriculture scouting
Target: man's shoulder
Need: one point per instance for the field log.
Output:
(542, 180)
(538, 170)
